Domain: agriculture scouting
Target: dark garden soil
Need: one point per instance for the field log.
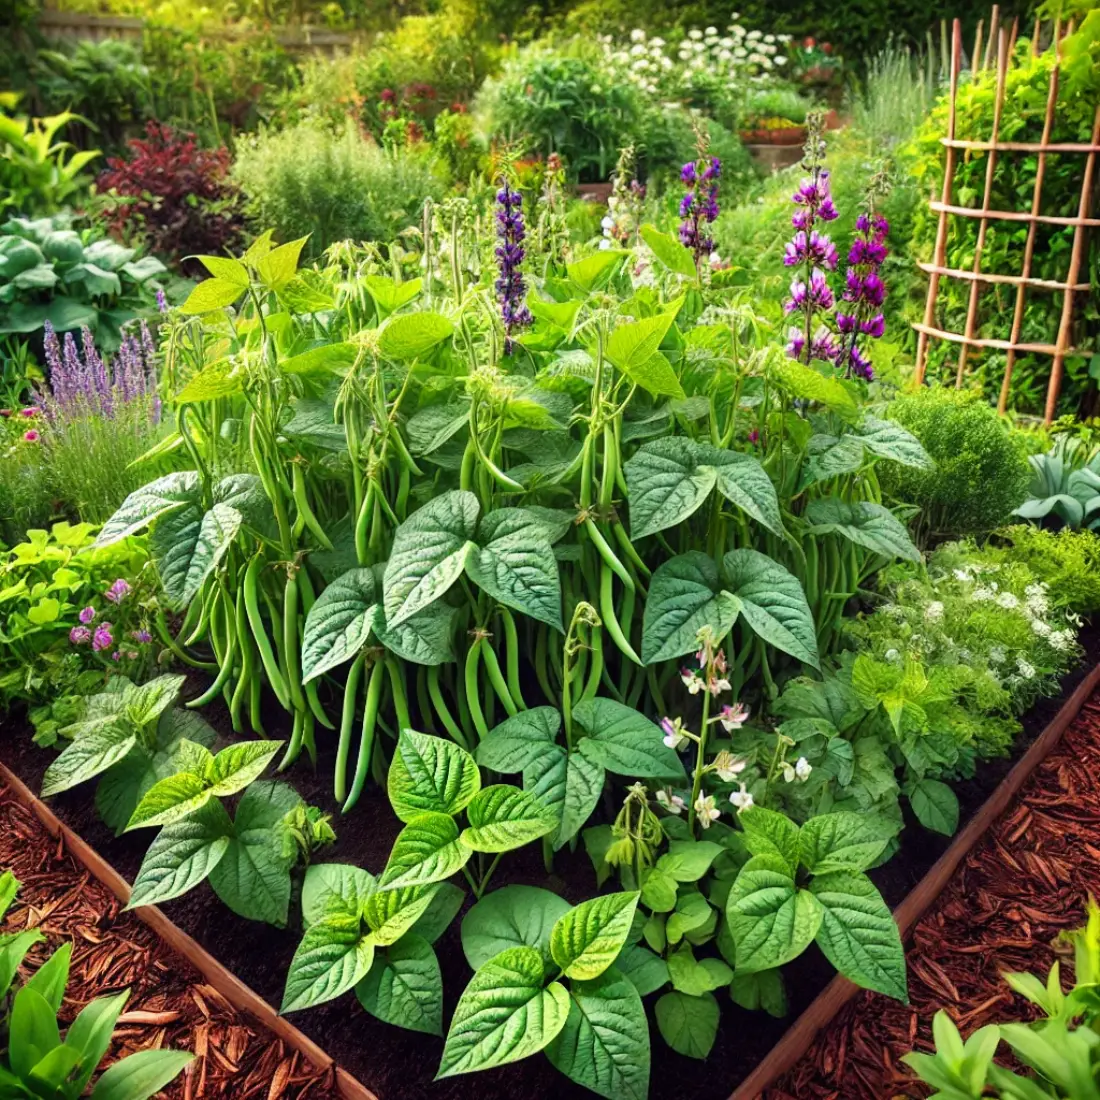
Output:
(170, 1006)
(400, 1065)
(1026, 881)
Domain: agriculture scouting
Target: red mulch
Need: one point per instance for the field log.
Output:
(170, 1004)
(1027, 880)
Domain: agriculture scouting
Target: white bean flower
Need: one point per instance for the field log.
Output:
(728, 767)
(706, 811)
(673, 803)
(741, 799)
(695, 34)
(637, 35)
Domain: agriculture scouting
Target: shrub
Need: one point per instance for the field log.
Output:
(981, 472)
(333, 186)
(174, 194)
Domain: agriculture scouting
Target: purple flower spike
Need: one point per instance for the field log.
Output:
(699, 206)
(510, 286)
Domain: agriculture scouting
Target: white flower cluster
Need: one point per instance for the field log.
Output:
(739, 56)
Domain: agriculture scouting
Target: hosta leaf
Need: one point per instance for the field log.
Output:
(404, 986)
(513, 916)
(569, 785)
(865, 523)
(858, 934)
(665, 484)
(503, 817)
(624, 741)
(587, 940)
(504, 1014)
(335, 887)
(143, 506)
(516, 565)
(890, 440)
(843, 841)
(182, 855)
(410, 336)
(770, 919)
(86, 757)
(772, 603)
(170, 800)
(685, 595)
(187, 546)
(430, 775)
(333, 956)
(426, 850)
(339, 622)
(391, 913)
(688, 1024)
(520, 741)
(604, 1045)
(236, 766)
(429, 553)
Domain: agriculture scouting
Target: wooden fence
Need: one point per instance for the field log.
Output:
(1059, 346)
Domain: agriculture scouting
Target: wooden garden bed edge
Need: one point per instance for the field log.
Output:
(239, 995)
(800, 1035)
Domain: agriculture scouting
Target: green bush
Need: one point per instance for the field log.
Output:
(981, 472)
(332, 186)
(1066, 561)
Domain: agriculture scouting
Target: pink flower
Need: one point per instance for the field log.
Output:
(86, 615)
(80, 635)
(118, 591)
(142, 637)
(733, 717)
(29, 411)
(30, 436)
(102, 639)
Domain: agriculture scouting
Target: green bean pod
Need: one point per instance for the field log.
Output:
(607, 614)
(259, 632)
(496, 679)
(290, 641)
(366, 741)
(177, 651)
(294, 748)
(304, 511)
(473, 689)
(400, 700)
(511, 657)
(439, 705)
(347, 720)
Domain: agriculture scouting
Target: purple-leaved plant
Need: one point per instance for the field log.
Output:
(511, 286)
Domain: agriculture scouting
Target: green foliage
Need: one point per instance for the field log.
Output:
(37, 1061)
(330, 186)
(1066, 561)
(1059, 1049)
(45, 582)
(981, 470)
(73, 279)
(1065, 486)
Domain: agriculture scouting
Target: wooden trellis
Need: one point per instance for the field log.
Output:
(945, 209)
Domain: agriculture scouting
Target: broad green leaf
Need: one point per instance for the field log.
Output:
(236, 766)
(586, 941)
(259, 248)
(688, 1024)
(890, 440)
(689, 860)
(569, 785)
(560, 314)
(222, 378)
(770, 919)
(696, 977)
(863, 522)
(516, 565)
(429, 428)
(226, 269)
(647, 971)
(657, 377)
(935, 805)
(430, 775)
(685, 595)
(146, 703)
(504, 1014)
(277, 266)
(632, 348)
(390, 296)
(187, 546)
(772, 603)
(858, 934)
(404, 986)
(426, 850)
(745, 483)
(503, 817)
(333, 956)
(445, 903)
(328, 357)
(142, 1075)
(770, 833)
(828, 456)
(430, 550)
(143, 506)
(842, 841)
(423, 639)
(330, 887)
(669, 251)
(692, 911)
(32, 1031)
(665, 484)
(624, 741)
(513, 916)
(169, 800)
(593, 272)
(9, 888)
(212, 294)
(410, 336)
(391, 913)
(520, 741)
(659, 890)
(760, 990)
(805, 382)
(182, 855)
(86, 757)
(604, 1045)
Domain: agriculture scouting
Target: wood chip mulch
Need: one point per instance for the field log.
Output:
(170, 1004)
(1028, 879)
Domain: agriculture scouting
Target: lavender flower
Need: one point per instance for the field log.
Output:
(511, 287)
(162, 300)
(80, 635)
(142, 637)
(699, 206)
(118, 591)
(102, 639)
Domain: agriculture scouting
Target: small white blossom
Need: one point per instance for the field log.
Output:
(933, 612)
(982, 593)
(695, 34)
(718, 684)
(733, 717)
(637, 35)
(1061, 639)
(741, 799)
(963, 575)
(728, 767)
(706, 811)
(803, 768)
(1041, 628)
(674, 734)
(997, 655)
(892, 655)
(692, 681)
(1026, 670)
(1007, 601)
(673, 803)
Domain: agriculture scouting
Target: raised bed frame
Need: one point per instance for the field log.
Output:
(783, 1055)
